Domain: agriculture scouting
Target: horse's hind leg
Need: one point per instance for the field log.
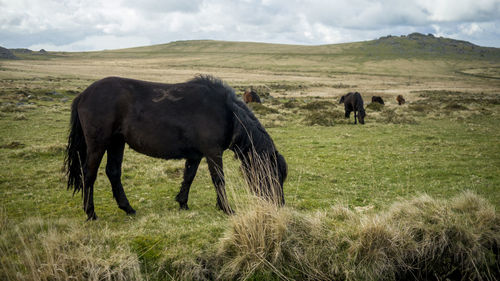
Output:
(94, 157)
(189, 173)
(217, 174)
(114, 172)
(355, 117)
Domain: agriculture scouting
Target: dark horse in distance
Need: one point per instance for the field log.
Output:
(199, 118)
(354, 102)
(378, 99)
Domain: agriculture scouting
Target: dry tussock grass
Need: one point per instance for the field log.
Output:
(61, 249)
(415, 239)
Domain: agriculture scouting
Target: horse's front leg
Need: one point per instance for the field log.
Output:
(190, 169)
(355, 117)
(217, 174)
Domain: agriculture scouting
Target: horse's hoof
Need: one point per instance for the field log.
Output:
(128, 209)
(226, 210)
(183, 207)
(92, 217)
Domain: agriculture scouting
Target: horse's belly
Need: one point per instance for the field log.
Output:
(161, 145)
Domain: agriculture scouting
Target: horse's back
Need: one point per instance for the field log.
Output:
(353, 100)
(160, 120)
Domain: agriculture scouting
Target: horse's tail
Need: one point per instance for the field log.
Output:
(76, 151)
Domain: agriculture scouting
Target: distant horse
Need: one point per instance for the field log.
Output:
(377, 99)
(191, 120)
(251, 96)
(354, 102)
(400, 100)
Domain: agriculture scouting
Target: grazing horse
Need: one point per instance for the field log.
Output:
(400, 99)
(354, 102)
(251, 96)
(377, 99)
(191, 120)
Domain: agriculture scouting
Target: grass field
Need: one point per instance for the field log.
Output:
(432, 163)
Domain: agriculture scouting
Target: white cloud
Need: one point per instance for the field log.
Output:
(470, 29)
(461, 10)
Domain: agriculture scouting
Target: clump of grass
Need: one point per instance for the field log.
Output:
(317, 105)
(419, 107)
(254, 242)
(292, 103)
(11, 108)
(375, 106)
(391, 116)
(414, 239)
(61, 249)
(323, 118)
(20, 117)
(12, 145)
(455, 106)
(261, 109)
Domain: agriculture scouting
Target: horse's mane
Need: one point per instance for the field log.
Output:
(248, 133)
(212, 82)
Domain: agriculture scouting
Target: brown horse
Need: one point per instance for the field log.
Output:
(354, 102)
(251, 96)
(400, 100)
(199, 118)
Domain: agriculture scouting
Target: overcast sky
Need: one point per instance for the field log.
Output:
(85, 25)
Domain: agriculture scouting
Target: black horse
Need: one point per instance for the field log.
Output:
(199, 118)
(377, 99)
(354, 102)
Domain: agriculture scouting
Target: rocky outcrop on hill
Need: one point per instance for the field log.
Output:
(6, 54)
(421, 45)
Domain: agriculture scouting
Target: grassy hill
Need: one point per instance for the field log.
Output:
(414, 45)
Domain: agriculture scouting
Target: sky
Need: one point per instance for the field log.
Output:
(86, 25)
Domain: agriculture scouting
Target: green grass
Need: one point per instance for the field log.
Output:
(443, 142)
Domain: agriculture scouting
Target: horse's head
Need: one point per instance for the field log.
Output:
(265, 173)
(361, 116)
(342, 99)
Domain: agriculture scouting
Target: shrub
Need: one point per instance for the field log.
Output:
(323, 118)
(455, 106)
(317, 105)
(391, 116)
(375, 106)
(261, 109)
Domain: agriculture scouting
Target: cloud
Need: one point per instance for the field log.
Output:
(82, 24)
(470, 29)
(461, 10)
